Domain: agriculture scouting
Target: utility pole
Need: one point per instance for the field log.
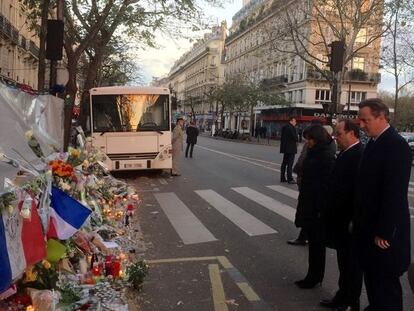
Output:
(336, 66)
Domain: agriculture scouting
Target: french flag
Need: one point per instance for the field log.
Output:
(67, 215)
(22, 243)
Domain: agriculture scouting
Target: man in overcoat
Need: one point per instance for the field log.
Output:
(382, 218)
(339, 216)
(177, 146)
(192, 133)
(288, 146)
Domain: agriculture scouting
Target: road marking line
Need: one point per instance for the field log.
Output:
(240, 159)
(235, 275)
(183, 259)
(285, 190)
(248, 291)
(271, 204)
(258, 160)
(219, 297)
(185, 223)
(162, 181)
(242, 219)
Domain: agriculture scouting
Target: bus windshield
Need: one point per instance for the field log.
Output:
(130, 113)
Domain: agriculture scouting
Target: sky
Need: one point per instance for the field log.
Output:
(157, 62)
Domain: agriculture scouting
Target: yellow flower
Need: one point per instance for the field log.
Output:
(29, 134)
(30, 275)
(46, 264)
(75, 153)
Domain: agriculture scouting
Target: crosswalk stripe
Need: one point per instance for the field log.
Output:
(268, 202)
(285, 190)
(245, 221)
(411, 183)
(187, 225)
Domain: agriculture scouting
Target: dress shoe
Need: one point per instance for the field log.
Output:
(283, 180)
(308, 284)
(346, 308)
(292, 182)
(330, 303)
(297, 242)
(175, 174)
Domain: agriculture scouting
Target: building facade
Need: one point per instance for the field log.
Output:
(196, 74)
(257, 47)
(18, 45)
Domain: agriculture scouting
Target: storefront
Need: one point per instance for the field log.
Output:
(273, 119)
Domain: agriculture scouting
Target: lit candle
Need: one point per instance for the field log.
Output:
(30, 308)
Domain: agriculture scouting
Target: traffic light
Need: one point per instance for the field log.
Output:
(337, 56)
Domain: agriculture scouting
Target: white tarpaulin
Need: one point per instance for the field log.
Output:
(20, 112)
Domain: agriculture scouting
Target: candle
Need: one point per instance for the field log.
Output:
(116, 268)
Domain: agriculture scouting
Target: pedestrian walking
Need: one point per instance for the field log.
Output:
(192, 133)
(317, 167)
(288, 146)
(177, 146)
(339, 216)
(382, 218)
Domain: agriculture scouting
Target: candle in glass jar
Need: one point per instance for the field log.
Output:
(116, 268)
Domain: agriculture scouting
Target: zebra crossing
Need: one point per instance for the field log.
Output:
(192, 231)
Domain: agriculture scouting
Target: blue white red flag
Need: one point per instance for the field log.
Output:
(66, 214)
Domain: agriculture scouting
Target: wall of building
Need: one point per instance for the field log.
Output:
(198, 72)
(18, 46)
(250, 51)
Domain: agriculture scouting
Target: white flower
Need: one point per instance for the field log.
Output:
(29, 134)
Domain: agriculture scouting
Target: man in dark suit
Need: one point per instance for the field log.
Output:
(339, 217)
(382, 218)
(288, 146)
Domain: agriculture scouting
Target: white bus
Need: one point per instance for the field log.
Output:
(132, 126)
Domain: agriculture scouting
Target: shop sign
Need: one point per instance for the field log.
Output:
(335, 116)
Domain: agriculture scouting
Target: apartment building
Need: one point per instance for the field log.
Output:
(257, 47)
(195, 75)
(18, 46)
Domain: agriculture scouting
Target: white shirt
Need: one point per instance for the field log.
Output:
(354, 144)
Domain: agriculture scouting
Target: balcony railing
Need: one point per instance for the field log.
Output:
(14, 35)
(275, 81)
(23, 42)
(313, 74)
(33, 49)
(7, 28)
(1, 23)
(362, 76)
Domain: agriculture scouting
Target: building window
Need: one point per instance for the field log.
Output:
(358, 63)
(361, 36)
(357, 97)
(322, 96)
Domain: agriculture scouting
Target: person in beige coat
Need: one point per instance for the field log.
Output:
(177, 146)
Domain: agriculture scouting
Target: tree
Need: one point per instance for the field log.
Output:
(398, 51)
(405, 121)
(305, 29)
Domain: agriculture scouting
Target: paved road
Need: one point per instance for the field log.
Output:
(217, 234)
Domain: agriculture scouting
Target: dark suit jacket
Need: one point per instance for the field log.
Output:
(288, 139)
(192, 133)
(340, 209)
(381, 206)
